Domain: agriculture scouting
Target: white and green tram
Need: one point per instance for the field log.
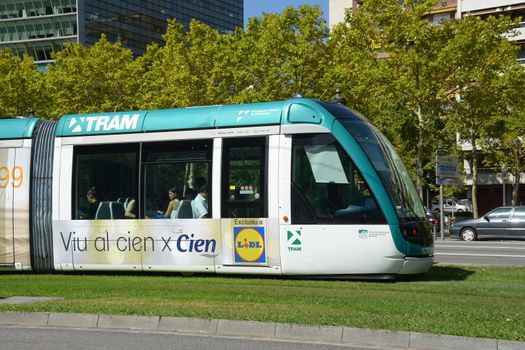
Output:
(298, 187)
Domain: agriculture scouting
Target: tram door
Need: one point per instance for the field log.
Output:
(244, 204)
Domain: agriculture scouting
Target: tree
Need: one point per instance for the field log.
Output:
(20, 85)
(103, 77)
(280, 55)
(511, 153)
(484, 56)
(276, 57)
(397, 67)
(191, 69)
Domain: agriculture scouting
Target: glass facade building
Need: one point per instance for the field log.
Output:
(39, 27)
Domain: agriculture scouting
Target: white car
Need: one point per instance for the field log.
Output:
(466, 203)
(449, 205)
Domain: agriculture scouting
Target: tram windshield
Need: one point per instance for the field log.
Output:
(385, 160)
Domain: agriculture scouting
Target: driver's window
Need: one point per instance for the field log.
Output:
(326, 185)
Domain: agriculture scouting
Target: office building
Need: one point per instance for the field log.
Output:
(39, 27)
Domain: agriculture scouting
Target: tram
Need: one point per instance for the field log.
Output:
(298, 187)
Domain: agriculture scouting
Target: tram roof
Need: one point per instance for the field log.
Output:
(17, 128)
(296, 110)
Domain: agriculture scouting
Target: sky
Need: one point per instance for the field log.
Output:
(255, 8)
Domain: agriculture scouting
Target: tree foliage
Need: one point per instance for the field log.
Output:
(191, 69)
(20, 85)
(511, 148)
(281, 55)
(103, 77)
(398, 67)
(485, 58)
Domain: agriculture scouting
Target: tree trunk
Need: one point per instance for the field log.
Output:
(516, 188)
(474, 179)
(420, 152)
(516, 174)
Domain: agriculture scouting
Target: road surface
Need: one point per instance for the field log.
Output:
(499, 253)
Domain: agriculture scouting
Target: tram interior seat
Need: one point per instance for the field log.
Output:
(362, 207)
(301, 207)
(110, 210)
(185, 210)
(123, 200)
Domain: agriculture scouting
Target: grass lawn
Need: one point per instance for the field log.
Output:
(469, 301)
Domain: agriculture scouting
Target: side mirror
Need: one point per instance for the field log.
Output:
(486, 218)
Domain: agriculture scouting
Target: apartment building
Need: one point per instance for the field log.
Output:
(511, 8)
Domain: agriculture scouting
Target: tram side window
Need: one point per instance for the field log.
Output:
(244, 178)
(326, 185)
(106, 182)
(177, 172)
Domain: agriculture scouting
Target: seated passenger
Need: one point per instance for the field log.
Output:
(173, 205)
(93, 203)
(189, 194)
(200, 203)
(130, 210)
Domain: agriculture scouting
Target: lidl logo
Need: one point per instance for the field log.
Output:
(294, 241)
(249, 244)
(104, 123)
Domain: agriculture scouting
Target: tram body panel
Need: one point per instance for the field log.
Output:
(14, 204)
(136, 245)
(62, 181)
(338, 250)
(7, 254)
(249, 245)
(21, 223)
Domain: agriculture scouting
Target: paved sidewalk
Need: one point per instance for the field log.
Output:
(278, 331)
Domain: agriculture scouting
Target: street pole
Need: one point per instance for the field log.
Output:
(441, 214)
(504, 199)
(503, 175)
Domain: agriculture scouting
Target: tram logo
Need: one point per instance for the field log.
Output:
(362, 233)
(249, 244)
(103, 123)
(294, 241)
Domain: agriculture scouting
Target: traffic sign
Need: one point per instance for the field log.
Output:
(447, 181)
(447, 167)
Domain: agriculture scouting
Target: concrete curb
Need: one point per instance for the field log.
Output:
(262, 330)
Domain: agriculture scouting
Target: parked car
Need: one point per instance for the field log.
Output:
(449, 205)
(499, 223)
